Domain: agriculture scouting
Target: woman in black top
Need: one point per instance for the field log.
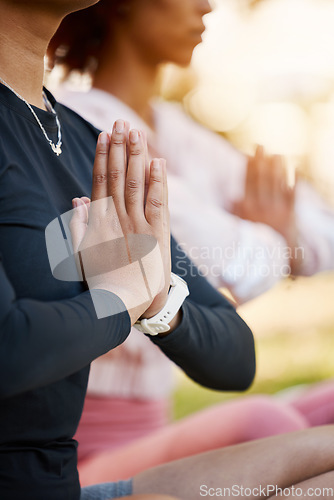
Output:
(49, 330)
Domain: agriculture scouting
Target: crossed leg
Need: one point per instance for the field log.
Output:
(226, 424)
(318, 487)
(281, 461)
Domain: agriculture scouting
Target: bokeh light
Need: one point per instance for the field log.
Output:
(266, 75)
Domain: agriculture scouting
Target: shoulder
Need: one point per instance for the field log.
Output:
(173, 113)
(179, 126)
(99, 107)
(82, 104)
(173, 116)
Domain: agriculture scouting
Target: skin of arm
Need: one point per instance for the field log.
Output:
(269, 200)
(121, 210)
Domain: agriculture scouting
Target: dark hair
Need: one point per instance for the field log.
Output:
(79, 38)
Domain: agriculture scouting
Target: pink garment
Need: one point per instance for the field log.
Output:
(136, 369)
(110, 423)
(237, 421)
(316, 403)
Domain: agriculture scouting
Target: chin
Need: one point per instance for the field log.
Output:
(184, 59)
(75, 5)
(183, 63)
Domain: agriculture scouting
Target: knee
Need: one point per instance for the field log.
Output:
(276, 417)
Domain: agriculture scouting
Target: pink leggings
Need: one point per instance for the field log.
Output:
(316, 403)
(240, 420)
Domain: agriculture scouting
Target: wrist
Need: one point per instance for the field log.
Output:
(133, 303)
(292, 239)
(174, 323)
(170, 315)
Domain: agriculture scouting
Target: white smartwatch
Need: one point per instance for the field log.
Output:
(159, 323)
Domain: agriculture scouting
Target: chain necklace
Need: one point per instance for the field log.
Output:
(56, 148)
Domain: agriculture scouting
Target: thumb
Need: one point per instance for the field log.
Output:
(78, 224)
(86, 200)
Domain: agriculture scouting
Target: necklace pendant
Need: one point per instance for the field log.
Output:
(56, 149)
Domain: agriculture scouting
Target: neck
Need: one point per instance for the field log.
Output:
(124, 74)
(24, 36)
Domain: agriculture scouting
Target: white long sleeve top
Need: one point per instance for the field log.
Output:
(206, 176)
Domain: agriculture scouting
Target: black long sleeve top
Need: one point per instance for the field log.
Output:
(49, 332)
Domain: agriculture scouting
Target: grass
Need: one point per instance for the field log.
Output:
(284, 359)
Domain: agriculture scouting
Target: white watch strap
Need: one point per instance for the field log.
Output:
(159, 323)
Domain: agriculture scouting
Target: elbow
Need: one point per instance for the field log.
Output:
(240, 378)
(244, 362)
(235, 375)
(244, 381)
(237, 364)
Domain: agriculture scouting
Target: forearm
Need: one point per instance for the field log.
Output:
(246, 257)
(45, 342)
(295, 247)
(211, 344)
(315, 222)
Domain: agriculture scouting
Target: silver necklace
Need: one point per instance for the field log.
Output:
(56, 148)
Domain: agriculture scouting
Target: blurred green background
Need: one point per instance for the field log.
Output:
(294, 329)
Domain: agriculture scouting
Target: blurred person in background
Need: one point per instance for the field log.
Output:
(234, 216)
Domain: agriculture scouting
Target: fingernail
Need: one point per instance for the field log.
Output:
(103, 138)
(119, 126)
(156, 164)
(75, 202)
(134, 136)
